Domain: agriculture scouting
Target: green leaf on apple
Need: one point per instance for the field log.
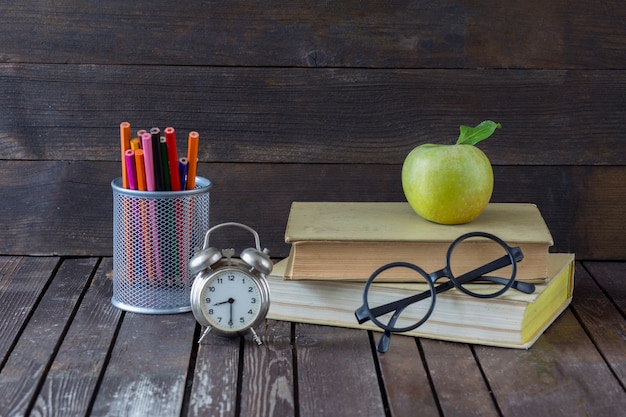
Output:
(473, 135)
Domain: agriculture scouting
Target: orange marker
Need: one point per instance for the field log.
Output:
(140, 167)
(124, 145)
(192, 156)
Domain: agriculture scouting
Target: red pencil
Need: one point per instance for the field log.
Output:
(172, 156)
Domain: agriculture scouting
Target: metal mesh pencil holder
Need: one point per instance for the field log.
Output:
(155, 234)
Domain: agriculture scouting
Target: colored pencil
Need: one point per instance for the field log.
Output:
(146, 140)
(124, 145)
(130, 169)
(135, 144)
(140, 169)
(192, 156)
(183, 164)
(156, 158)
(170, 137)
(165, 165)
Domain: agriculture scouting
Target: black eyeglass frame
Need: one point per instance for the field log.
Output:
(512, 256)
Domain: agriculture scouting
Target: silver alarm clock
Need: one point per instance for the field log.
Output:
(230, 296)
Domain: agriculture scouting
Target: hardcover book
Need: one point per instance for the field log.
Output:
(513, 319)
(348, 241)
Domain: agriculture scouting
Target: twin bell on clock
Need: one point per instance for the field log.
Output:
(230, 296)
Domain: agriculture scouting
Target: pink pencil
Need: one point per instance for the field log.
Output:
(146, 141)
(130, 169)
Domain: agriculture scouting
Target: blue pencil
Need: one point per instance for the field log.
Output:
(183, 165)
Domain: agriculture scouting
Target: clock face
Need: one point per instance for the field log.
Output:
(231, 300)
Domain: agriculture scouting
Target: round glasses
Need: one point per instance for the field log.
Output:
(468, 261)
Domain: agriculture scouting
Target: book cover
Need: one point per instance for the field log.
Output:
(512, 320)
(350, 240)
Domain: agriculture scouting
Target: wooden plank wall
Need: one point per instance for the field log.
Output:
(310, 100)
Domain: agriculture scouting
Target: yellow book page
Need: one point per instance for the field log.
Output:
(553, 299)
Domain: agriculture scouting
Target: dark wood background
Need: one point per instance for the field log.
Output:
(310, 101)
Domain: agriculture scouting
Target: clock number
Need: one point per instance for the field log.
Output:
(231, 277)
(253, 300)
(242, 320)
(250, 289)
(210, 312)
(207, 300)
(250, 311)
(220, 280)
(211, 289)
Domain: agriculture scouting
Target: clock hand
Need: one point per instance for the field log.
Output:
(230, 322)
(230, 300)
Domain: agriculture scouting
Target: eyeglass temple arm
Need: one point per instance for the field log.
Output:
(362, 315)
(385, 339)
(492, 266)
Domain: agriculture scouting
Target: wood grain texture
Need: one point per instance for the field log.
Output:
(405, 379)
(610, 277)
(599, 302)
(574, 369)
(21, 282)
(561, 375)
(214, 388)
(291, 115)
(460, 386)
(28, 364)
(374, 34)
(71, 382)
(147, 371)
(267, 387)
(335, 364)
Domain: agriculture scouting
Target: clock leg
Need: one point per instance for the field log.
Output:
(206, 332)
(256, 338)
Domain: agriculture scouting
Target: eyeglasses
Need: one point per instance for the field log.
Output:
(409, 310)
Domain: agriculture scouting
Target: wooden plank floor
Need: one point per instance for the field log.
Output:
(65, 350)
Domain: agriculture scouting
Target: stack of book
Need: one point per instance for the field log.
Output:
(335, 247)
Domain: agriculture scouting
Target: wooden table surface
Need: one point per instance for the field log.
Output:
(65, 350)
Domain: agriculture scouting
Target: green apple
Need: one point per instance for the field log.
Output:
(450, 184)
